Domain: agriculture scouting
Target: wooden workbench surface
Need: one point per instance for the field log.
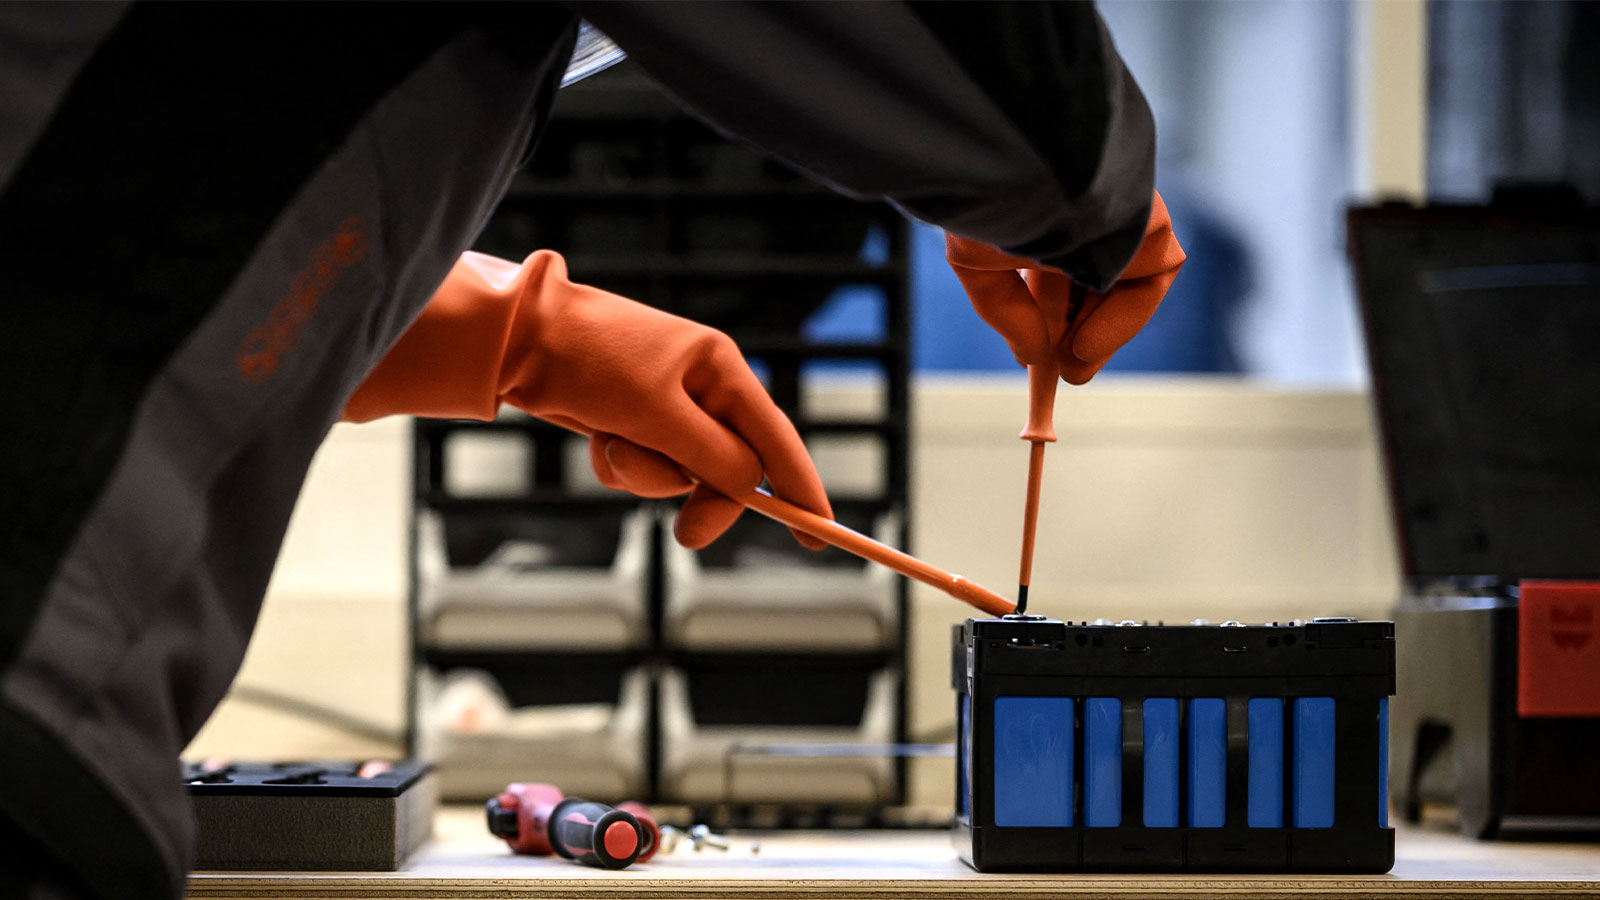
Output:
(463, 861)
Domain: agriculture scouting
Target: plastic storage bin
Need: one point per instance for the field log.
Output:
(573, 580)
(698, 762)
(593, 750)
(756, 589)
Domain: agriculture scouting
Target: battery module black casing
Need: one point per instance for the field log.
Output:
(314, 816)
(1188, 748)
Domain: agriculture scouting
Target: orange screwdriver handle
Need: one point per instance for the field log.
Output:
(1041, 425)
(853, 541)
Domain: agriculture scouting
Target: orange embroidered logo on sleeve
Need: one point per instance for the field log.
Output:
(264, 347)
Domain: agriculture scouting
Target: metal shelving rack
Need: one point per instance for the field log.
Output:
(647, 202)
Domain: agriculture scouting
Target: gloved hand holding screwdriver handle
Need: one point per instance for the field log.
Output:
(1032, 307)
(1056, 328)
(658, 395)
(670, 406)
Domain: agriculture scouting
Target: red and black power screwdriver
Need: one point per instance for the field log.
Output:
(537, 820)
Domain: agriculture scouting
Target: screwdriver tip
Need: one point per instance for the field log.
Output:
(1022, 599)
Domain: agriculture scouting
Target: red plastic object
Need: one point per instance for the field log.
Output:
(621, 840)
(649, 830)
(1558, 649)
(533, 803)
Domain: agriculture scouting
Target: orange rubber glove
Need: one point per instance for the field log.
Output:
(1035, 315)
(662, 399)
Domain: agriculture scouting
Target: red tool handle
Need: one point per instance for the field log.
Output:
(520, 815)
(595, 834)
(648, 829)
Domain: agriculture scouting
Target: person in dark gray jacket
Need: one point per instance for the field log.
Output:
(216, 219)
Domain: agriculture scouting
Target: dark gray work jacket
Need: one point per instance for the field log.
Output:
(216, 218)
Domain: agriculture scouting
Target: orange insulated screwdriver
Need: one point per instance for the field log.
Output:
(1039, 430)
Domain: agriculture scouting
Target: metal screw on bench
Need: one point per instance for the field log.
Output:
(702, 835)
(670, 837)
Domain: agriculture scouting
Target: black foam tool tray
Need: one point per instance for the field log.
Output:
(1236, 748)
(310, 816)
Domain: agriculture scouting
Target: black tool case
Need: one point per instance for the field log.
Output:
(309, 816)
(1480, 324)
(1225, 748)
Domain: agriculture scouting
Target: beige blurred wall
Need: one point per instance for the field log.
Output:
(1165, 499)
(333, 628)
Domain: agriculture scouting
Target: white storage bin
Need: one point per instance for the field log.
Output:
(595, 751)
(779, 599)
(695, 766)
(522, 597)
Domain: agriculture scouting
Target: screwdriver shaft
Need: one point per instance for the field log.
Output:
(1039, 430)
(1030, 522)
(853, 541)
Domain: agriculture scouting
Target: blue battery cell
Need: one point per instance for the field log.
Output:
(1033, 762)
(1161, 762)
(1383, 763)
(1208, 762)
(1102, 762)
(1313, 762)
(1264, 772)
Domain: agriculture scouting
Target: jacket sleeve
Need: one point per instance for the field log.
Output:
(1015, 123)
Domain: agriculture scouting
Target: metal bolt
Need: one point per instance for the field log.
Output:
(670, 837)
(702, 835)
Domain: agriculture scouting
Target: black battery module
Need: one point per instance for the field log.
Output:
(1189, 748)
